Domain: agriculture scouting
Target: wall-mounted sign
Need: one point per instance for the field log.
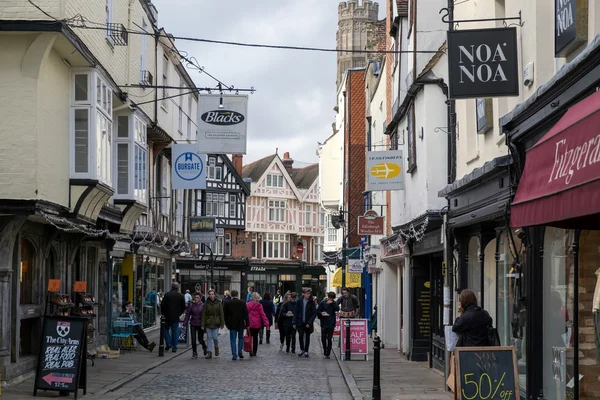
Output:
(222, 130)
(203, 230)
(385, 170)
(483, 63)
(570, 25)
(355, 266)
(300, 248)
(188, 167)
(370, 224)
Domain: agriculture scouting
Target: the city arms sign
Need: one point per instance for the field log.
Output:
(483, 63)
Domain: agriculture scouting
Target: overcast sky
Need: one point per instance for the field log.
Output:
(292, 108)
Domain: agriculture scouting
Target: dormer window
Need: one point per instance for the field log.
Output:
(274, 180)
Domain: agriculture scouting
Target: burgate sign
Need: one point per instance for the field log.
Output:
(188, 167)
(483, 63)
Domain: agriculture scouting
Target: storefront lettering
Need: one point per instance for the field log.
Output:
(567, 160)
(258, 269)
(564, 16)
(483, 55)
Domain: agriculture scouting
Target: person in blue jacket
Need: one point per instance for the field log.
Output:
(305, 313)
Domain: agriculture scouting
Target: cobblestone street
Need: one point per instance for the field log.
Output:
(270, 375)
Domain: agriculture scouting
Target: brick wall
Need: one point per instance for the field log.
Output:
(241, 246)
(354, 148)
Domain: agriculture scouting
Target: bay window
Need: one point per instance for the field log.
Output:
(276, 245)
(131, 153)
(277, 210)
(330, 231)
(91, 125)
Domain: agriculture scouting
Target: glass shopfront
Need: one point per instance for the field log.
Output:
(149, 281)
(198, 280)
(263, 283)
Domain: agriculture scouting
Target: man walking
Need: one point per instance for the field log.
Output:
(172, 306)
(236, 319)
(250, 291)
(349, 304)
(326, 313)
(303, 320)
(188, 297)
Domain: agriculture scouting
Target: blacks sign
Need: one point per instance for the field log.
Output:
(61, 354)
(483, 63)
(486, 373)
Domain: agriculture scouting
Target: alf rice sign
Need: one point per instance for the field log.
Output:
(483, 63)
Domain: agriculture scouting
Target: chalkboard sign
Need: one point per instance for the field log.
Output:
(183, 334)
(486, 373)
(61, 362)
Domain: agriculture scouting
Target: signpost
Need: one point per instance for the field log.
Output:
(62, 362)
(359, 337)
(486, 373)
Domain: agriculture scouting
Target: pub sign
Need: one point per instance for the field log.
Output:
(483, 63)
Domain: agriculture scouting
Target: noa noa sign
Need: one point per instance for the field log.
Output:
(483, 63)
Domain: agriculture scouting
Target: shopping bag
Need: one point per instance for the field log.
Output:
(451, 382)
(451, 338)
(248, 342)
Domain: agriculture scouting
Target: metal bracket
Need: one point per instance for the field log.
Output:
(447, 21)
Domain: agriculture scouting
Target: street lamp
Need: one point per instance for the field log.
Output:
(338, 222)
(212, 265)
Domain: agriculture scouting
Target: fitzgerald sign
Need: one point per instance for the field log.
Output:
(483, 63)
(222, 128)
(571, 27)
(385, 170)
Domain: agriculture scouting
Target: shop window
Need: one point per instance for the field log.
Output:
(474, 268)
(558, 290)
(589, 314)
(27, 272)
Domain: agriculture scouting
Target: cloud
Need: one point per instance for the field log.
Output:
(292, 107)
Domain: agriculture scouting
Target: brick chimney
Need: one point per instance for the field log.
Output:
(238, 160)
(287, 161)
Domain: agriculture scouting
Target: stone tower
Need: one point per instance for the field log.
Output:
(356, 19)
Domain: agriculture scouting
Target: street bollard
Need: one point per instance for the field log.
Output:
(161, 342)
(347, 322)
(376, 393)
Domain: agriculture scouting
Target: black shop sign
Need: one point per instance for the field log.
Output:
(62, 361)
(570, 25)
(483, 63)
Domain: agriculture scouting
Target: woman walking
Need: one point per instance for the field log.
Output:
(212, 320)
(269, 309)
(257, 318)
(193, 315)
(279, 320)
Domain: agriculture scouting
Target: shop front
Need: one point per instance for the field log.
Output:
(267, 277)
(556, 139)
(389, 293)
(195, 275)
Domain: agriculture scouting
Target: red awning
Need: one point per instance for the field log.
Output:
(561, 180)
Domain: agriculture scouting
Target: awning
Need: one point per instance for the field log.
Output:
(561, 181)
(352, 279)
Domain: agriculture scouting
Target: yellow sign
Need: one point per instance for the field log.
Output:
(427, 284)
(386, 170)
(353, 280)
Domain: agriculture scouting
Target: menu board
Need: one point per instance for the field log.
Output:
(422, 309)
(486, 373)
(61, 354)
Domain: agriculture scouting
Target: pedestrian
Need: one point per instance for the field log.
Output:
(193, 315)
(212, 320)
(472, 322)
(250, 291)
(278, 298)
(287, 311)
(326, 313)
(226, 297)
(349, 304)
(279, 320)
(303, 320)
(188, 297)
(269, 309)
(172, 306)
(236, 320)
(140, 335)
(257, 318)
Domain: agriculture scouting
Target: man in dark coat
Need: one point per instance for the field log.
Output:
(326, 313)
(304, 317)
(172, 306)
(236, 319)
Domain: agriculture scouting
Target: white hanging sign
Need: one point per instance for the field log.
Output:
(189, 167)
(222, 124)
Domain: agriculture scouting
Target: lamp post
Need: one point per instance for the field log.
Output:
(212, 266)
(337, 223)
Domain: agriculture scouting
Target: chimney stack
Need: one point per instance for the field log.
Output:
(238, 160)
(287, 161)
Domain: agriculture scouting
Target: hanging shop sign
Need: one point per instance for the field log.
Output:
(370, 224)
(62, 362)
(355, 266)
(571, 26)
(222, 124)
(203, 230)
(385, 170)
(393, 246)
(188, 167)
(483, 63)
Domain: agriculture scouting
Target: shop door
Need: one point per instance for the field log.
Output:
(437, 313)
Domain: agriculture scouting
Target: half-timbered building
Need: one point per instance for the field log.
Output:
(286, 225)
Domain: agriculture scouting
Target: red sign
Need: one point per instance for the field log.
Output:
(300, 248)
(359, 337)
(370, 225)
(336, 330)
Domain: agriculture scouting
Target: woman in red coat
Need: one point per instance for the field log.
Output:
(258, 319)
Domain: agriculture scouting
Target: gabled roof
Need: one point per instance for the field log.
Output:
(256, 169)
(305, 177)
(245, 186)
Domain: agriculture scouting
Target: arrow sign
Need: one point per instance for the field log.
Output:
(50, 378)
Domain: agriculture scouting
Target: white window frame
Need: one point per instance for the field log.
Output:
(180, 100)
(214, 172)
(137, 158)
(98, 105)
(275, 180)
(164, 103)
(330, 231)
(304, 251)
(165, 187)
(109, 20)
(227, 244)
(317, 245)
(189, 118)
(276, 246)
(143, 51)
(179, 211)
(308, 215)
(276, 211)
(232, 206)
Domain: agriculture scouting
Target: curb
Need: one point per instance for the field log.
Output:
(350, 382)
(117, 385)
